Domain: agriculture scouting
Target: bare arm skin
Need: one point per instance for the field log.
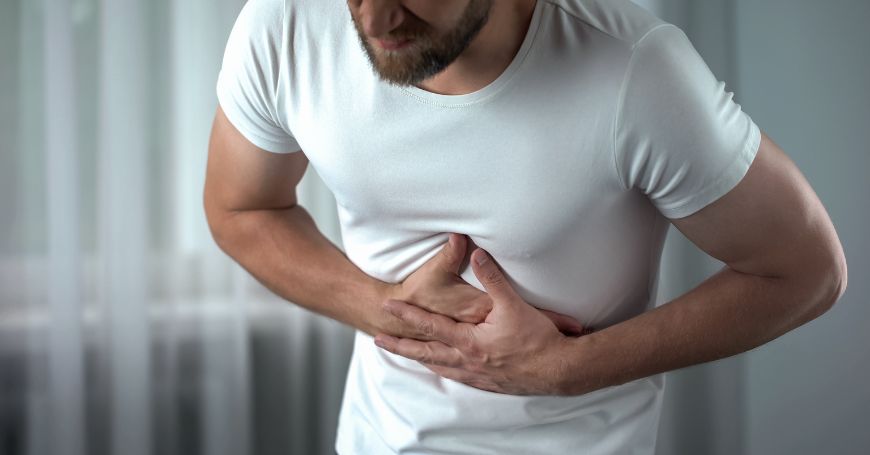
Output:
(784, 267)
(251, 207)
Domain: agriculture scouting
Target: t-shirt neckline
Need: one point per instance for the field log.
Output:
(493, 87)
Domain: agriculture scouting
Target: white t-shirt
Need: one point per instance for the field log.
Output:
(565, 169)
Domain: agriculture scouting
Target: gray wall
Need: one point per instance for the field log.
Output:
(800, 69)
(804, 68)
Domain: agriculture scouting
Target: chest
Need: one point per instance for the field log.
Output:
(504, 173)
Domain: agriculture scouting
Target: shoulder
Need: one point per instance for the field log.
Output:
(263, 14)
(622, 20)
(272, 33)
(272, 17)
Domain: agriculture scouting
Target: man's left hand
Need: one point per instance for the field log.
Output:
(517, 350)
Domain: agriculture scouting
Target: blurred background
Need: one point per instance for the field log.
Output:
(124, 330)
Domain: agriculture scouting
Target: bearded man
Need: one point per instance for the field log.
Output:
(505, 173)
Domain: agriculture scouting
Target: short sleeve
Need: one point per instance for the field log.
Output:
(679, 137)
(249, 77)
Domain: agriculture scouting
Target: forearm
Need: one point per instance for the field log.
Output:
(284, 250)
(729, 313)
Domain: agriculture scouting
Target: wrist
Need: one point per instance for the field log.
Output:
(570, 358)
(381, 321)
(384, 291)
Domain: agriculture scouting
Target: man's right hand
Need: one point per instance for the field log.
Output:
(438, 288)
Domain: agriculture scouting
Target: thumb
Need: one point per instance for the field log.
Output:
(491, 277)
(451, 255)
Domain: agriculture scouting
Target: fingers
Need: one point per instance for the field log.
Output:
(491, 277)
(428, 352)
(429, 326)
(451, 255)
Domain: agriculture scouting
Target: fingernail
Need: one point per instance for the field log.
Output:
(451, 239)
(480, 257)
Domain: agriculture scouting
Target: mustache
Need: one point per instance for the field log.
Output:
(412, 29)
(403, 36)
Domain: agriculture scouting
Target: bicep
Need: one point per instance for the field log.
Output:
(241, 176)
(770, 224)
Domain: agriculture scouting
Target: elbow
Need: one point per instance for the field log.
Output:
(216, 219)
(839, 277)
(833, 279)
(217, 232)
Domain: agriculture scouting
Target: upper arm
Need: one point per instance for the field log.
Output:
(241, 176)
(253, 158)
(771, 224)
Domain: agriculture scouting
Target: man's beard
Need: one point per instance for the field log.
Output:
(426, 55)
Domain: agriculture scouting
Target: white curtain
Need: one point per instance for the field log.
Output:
(123, 329)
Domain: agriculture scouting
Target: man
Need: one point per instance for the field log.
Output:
(546, 143)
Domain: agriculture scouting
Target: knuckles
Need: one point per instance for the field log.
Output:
(467, 345)
(426, 328)
(494, 277)
(390, 308)
(448, 255)
(426, 355)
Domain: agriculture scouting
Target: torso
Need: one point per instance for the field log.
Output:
(525, 167)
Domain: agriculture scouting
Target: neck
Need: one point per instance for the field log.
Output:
(489, 54)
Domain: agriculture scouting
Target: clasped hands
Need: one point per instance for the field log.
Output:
(491, 340)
